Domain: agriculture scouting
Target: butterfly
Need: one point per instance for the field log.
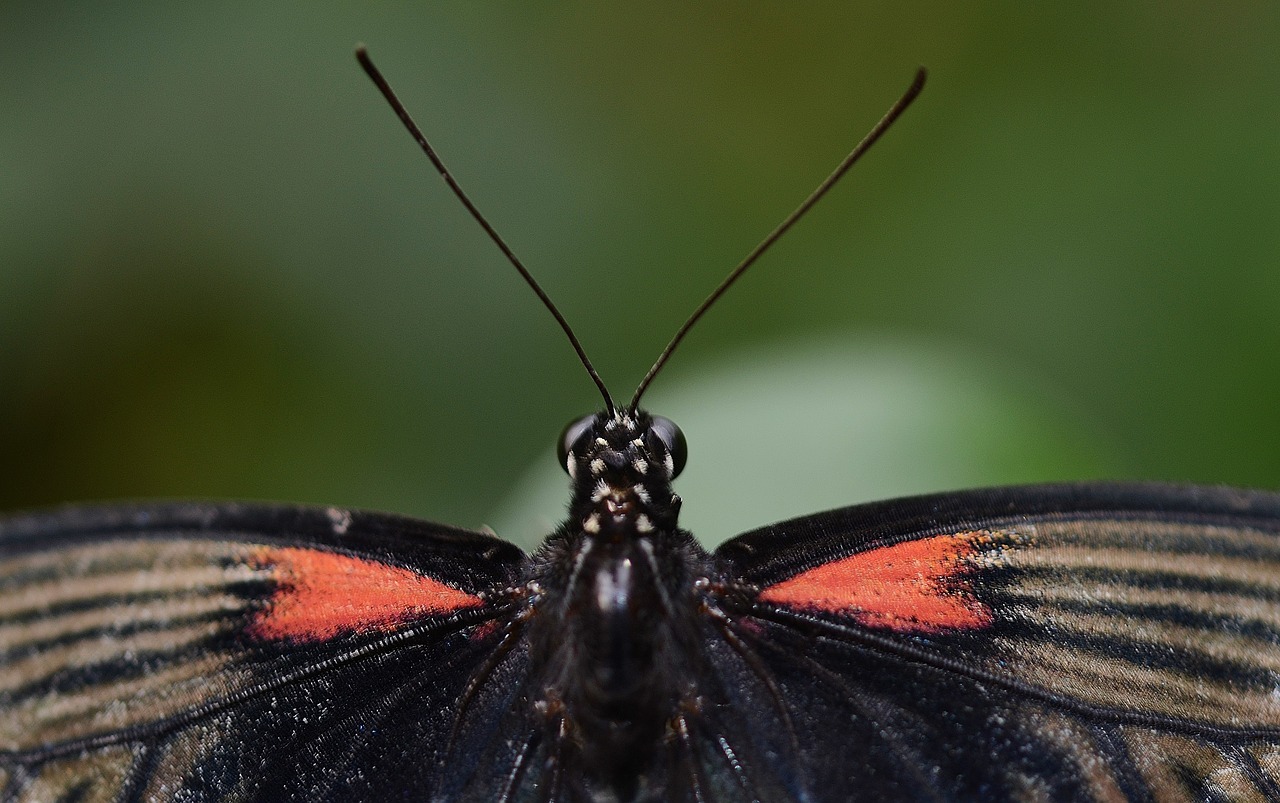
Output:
(1063, 642)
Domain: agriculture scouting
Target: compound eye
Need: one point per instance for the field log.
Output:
(673, 440)
(574, 432)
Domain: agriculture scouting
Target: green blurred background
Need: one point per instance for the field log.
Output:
(226, 271)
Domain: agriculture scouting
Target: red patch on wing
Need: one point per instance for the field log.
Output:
(912, 587)
(321, 594)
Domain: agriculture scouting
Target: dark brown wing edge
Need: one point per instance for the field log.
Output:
(765, 555)
(482, 559)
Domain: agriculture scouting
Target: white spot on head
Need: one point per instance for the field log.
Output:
(641, 493)
(611, 424)
(641, 465)
(600, 492)
(571, 465)
(638, 443)
(601, 442)
(643, 524)
(592, 524)
(597, 467)
(668, 463)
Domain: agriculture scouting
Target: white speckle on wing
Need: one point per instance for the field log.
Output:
(339, 520)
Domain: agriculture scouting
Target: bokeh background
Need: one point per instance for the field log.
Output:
(226, 271)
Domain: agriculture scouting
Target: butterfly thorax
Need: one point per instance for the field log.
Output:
(619, 642)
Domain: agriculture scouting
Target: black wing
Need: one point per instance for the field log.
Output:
(239, 652)
(1087, 642)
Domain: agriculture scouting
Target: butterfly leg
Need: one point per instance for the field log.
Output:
(555, 762)
(680, 726)
(510, 638)
(519, 767)
(735, 639)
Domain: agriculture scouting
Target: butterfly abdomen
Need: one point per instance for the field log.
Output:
(615, 649)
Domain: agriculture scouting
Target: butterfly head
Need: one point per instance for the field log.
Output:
(622, 464)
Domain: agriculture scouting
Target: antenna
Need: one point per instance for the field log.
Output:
(362, 55)
(862, 147)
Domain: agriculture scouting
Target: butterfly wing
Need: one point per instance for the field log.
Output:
(232, 652)
(1084, 642)
(1069, 642)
